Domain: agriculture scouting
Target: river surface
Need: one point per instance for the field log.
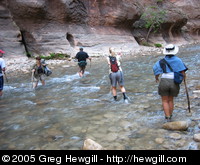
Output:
(69, 109)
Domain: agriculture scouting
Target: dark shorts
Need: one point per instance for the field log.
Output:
(167, 87)
(1, 83)
(116, 77)
(82, 64)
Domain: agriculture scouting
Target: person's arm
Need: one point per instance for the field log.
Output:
(184, 74)
(157, 78)
(89, 58)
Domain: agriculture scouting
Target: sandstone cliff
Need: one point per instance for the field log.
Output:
(40, 27)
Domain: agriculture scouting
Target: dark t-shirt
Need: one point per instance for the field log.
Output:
(82, 56)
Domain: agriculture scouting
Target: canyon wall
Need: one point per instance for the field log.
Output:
(41, 27)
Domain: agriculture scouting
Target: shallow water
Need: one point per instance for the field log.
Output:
(69, 109)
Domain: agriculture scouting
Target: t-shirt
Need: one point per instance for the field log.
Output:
(174, 61)
(2, 65)
(118, 63)
(82, 56)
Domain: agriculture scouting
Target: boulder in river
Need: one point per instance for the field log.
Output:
(91, 145)
(197, 137)
(176, 125)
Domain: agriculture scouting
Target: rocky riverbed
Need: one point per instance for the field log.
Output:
(69, 110)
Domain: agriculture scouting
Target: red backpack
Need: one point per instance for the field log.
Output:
(113, 64)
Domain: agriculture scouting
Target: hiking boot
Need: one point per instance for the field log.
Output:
(168, 118)
(115, 98)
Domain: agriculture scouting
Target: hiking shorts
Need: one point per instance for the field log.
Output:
(39, 77)
(116, 77)
(82, 64)
(1, 83)
(167, 87)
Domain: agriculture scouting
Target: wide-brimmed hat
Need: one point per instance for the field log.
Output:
(170, 49)
(1, 51)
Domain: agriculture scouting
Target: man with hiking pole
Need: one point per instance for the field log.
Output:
(82, 57)
(2, 70)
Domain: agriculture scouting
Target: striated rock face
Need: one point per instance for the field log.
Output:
(52, 26)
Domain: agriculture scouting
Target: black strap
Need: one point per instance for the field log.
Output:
(162, 65)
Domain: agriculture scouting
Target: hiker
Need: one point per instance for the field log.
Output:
(38, 72)
(82, 57)
(168, 89)
(116, 74)
(2, 70)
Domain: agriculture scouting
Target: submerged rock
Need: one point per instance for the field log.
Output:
(197, 137)
(176, 125)
(91, 145)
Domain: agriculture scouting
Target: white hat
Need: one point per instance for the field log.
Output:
(170, 49)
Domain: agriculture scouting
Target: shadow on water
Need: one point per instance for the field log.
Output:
(69, 109)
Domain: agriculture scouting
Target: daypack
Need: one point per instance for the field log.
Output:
(113, 64)
(178, 77)
(47, 71)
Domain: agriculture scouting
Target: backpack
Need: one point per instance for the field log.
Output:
(47, 71)
(178, 77)
(113, 64)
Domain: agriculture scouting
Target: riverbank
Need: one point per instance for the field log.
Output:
(16, 66)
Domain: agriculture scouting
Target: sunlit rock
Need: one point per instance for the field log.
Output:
(91, 145)
(176, 125)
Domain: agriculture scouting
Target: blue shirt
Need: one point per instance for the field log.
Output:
(175, 62)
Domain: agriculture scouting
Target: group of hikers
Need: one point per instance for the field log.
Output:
(170, 69)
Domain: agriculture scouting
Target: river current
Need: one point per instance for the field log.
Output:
(69, 109)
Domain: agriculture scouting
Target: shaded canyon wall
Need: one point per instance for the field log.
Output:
(41, 27)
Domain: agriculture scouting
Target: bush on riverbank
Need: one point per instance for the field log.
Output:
(57, 56)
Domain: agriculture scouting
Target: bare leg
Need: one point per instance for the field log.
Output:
(35, 84)
(114, 91)
(168, 105)
(1, 93)
(43, 82)
(171, 104)
(123, 90)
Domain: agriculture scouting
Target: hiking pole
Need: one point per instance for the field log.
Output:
(32, 79)
(5, 76)
(188, 99)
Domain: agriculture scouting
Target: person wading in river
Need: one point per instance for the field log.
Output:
(38, 72)
(116, 74)
(2, 70)
(82, 57)
(168, 89)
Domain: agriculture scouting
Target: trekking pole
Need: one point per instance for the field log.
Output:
(188, 99)
(32, 79)
(5, 76)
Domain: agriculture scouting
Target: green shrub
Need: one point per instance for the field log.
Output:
(158, 45)
(55, 56)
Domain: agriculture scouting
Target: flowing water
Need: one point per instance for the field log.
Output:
(69, 109)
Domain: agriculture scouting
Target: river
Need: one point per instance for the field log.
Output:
(69, 109)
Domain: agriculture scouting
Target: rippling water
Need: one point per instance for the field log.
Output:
(69, 109)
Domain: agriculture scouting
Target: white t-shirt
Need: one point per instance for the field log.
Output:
(2, 65)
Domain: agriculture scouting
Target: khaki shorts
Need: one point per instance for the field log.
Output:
(167, 87)
(39, 77)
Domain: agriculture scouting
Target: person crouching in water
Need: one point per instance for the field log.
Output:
(82, 57)
(116, 74)
(167, 88)
(38, 72)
